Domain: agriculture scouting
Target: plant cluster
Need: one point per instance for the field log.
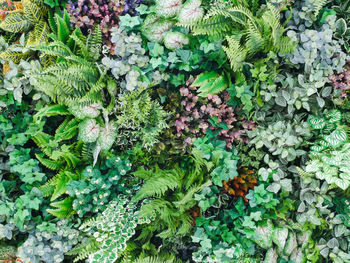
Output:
(85, 14)
(213, 113)
(174, 131)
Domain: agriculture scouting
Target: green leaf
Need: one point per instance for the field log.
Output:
(15, 23)
(279, 237)
(334, 116)
(128, 22)
(218, 85)
(341, 26)
(203, 78)
(316, 123)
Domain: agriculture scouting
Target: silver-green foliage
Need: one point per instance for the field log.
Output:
(316, 207)
(317, 53)
(305, 12)
(130, 62)
(49, 243)
(295, 93)
(281, 138)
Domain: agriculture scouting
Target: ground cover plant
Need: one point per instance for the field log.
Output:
(175, 131)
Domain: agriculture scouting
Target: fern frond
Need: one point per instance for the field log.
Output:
(216, 25)
(67, 130)
(235, 52)
(158, 259)
(186, 225)
(318, 6)
(82, 251)
(157, 205)
(187, 201)
(63, 208)
(49, 186)
(162, 181)
(51, 110)
(42, 140)
(50, 164)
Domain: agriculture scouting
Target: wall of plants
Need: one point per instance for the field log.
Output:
(175, 131)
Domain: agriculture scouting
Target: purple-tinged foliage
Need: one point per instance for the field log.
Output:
(131, 5)
(212, 113)
(342, 81)
(86, 13)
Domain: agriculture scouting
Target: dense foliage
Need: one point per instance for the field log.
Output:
(169, 131)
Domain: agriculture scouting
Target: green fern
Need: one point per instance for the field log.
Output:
(85, 249)
(76, 79)
(319, 4)
(171, 196)
(248, 30)
(63, 208)
(158, 259)
(165, 180)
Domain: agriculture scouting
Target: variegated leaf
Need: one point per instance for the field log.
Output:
(33, 11)
(191, 11)
(107, 136)
(15, 23)
(279, 237)
(271, 256)
(89, 130)
(175, 40)
(316, 123)
(334, 116)
(263, 236)
(168, 8)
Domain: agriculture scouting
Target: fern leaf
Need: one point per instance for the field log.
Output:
(67, 130)
(84, 250)
(318, 6)
(63, 28)
(235, 52)
(51, 110)
(161, 182)
(64, 208)
(52, 165)
(60, 186)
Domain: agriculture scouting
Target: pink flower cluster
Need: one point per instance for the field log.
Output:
(342, 81)
(199, 115)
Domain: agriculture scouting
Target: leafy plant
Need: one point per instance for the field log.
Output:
(224, 161)
(75, 79)
(172, 193)
(32, 19)
(247, 30)
(109, 232)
